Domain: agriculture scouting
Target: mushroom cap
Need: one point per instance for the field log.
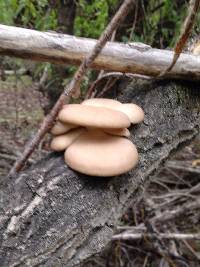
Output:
(98, 154)
(133, 111)
(91, 116)
(61, 128)
(61, 142)
(101, 102)
(119, 132)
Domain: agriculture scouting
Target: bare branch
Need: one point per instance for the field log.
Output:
(118, 57)
(135, 236)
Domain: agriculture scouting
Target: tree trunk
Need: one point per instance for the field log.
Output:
(54, 216)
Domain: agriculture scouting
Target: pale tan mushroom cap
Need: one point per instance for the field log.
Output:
(98, 154)
(61, 142)
(91, 116)
(133, 111)
(61, 128)
(119, 132)
(101, 102)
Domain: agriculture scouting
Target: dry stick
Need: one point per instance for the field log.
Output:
(72, 87)
(89, 93)
(171, 214)
(164, 217)
(135, 236)
(112, 40)
(190, 248)
(186, 30)
(114, 75)
(110, 83)
(117, 77)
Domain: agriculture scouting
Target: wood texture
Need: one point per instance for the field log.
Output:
(62, 49)
(53, 216)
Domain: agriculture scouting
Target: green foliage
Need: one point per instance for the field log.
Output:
(30, 13)
(161, 23)
(7, 10)
(92, 17)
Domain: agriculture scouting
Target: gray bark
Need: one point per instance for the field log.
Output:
(51, 215)
(59, 48)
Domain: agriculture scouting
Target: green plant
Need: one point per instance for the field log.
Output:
(29, 13)
(92, 17)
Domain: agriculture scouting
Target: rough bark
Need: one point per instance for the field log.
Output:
(51, 215)
(59, 48)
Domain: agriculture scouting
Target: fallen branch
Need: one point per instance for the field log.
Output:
(125, 58)
(135, 236)
(172, 214)
(160, 217)
(71, 88)
(183, 166)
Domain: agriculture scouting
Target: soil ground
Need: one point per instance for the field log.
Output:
(21, 114)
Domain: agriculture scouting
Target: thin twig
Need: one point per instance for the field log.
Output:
(114, 75)
(185, 33)
(135, 236)
(191, 249)
(90, 93)
(72, 87)
(145, 261)
(172, 214)
(166, 215)
(184, 165)
(110, 83)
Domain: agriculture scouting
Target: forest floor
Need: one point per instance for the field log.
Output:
(170, 203)
(21, 112)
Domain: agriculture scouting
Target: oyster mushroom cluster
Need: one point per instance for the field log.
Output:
(94, 134)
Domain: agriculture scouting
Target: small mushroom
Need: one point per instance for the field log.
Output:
(61, 142)
(92, 116)
(120, 132)
(99, 154)
(133, 111)
(61, 128)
